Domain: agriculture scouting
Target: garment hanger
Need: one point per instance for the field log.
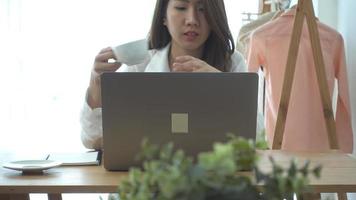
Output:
(282, 7)
(284, 4)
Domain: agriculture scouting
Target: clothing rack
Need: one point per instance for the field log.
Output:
(305, 9)
(264, 6)
(269, 6)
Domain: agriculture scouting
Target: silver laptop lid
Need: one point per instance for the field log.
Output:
(192, 110)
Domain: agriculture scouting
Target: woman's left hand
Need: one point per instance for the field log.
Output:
(191, 64)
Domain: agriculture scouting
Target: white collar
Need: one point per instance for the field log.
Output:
(159, 61)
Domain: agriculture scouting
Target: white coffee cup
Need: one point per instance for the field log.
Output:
(131, 53)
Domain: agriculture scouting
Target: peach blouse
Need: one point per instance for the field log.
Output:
(305, 128)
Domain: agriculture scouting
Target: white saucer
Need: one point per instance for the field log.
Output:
(31, 165)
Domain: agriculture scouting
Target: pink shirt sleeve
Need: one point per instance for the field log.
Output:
(343, 110)
(256, 55)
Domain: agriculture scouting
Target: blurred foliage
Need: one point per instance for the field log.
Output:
(169, 174)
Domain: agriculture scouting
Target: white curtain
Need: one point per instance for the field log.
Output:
(47, 49)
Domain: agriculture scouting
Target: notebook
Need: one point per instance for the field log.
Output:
(76, 158)
(192, 110)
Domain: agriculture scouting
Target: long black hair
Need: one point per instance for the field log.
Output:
(218, 47)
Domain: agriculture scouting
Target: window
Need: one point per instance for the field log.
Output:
(47, 48)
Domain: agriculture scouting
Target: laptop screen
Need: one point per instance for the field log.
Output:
(192, 110)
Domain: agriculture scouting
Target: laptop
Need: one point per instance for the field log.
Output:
(192, 110)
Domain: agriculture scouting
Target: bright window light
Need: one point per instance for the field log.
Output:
(47, 48)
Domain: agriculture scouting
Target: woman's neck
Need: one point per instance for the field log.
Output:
(177, 51)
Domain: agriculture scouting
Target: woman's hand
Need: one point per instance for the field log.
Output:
(191, 64)
(101, 65)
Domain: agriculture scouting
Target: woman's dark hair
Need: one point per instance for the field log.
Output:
(218, 47)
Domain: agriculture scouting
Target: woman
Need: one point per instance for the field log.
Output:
(185, 36)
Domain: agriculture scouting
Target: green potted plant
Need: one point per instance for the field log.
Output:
(219, 174)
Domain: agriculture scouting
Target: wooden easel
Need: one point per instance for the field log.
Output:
(305, 9)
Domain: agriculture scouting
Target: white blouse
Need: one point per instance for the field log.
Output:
(91, 119)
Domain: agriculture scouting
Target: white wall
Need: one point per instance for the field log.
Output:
(346, 25)
(328, 12)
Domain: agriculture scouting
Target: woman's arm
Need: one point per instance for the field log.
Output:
(91, 123)
(101, 65)
(91, 118)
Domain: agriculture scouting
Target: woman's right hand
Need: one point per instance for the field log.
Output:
(101, 65)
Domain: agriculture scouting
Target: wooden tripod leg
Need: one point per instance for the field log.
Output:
(288, 76)
(321, 75)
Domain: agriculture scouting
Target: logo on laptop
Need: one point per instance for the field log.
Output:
(179, 122)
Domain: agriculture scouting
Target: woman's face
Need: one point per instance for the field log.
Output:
(187, 24)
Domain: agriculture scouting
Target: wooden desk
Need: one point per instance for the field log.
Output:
(338, 175)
